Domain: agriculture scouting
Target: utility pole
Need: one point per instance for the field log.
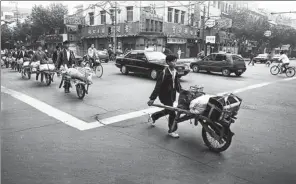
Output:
(115, 30)
(203, 28)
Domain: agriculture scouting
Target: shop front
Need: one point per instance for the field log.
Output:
(51, 41)
(180, 37)
(102, 36)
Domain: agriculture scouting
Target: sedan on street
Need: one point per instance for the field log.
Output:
(261, 58)
(220, 62)
(150, 63)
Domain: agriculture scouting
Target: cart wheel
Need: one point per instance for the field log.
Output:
(47, 79)
(98, 71)
(213, 144)
(80, 89)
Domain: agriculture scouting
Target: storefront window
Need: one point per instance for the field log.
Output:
(192, 19)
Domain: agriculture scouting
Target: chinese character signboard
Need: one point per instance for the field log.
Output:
(176, 30)
(53, 39)
(101, 31)
(210, 39)
(74, 20)
(176, 41)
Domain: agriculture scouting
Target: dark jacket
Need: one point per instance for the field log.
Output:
(164, 88)
(22, 55)
(14, 54)
(55, 56)
(63, 60)
(39, 56)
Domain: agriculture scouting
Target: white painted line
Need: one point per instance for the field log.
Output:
(122, 117)
(140, 113)
(47, 109)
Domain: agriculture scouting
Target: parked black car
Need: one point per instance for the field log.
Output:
(221, 62)
(150, 63)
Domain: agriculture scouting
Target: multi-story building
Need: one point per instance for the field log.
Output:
(143, 24)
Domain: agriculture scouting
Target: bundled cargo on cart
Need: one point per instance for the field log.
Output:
(216, 108)
(35, 65)
(20, 61)
(82, 73)
(47, 66)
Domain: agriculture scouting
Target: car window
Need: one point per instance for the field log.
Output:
(220, 57)
(210, 57)
(131, 56)
(141, 56)
(234, 58)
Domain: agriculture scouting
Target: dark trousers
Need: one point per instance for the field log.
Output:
(165, 112)
(251, 62)
(42, 75)
(284, 66)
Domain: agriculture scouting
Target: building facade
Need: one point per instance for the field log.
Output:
(143, 24)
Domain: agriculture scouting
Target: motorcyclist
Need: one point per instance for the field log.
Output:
(66, 59)
(39, 56)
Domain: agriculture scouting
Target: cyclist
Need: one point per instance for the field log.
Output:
(285, 60)
(91, 53)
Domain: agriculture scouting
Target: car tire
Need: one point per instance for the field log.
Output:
(238, 74)
(153, 74)
(195, 68)
(106, 60)
(124, 70)
(225, 72)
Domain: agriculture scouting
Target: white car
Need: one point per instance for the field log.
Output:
(261, 58)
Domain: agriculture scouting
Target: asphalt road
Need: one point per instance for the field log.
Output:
(37, 148)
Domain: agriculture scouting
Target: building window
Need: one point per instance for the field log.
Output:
(219, 4)
(192, 19)
(176, 16)
(170, 14)
(226, 6)
(103, 17)
(91, 18)
(214, 3)
(229, 8)
(182, 17)
(129, 13)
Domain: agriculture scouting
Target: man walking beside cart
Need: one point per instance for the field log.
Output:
(165, 89)
(66, 59)
(39, 56)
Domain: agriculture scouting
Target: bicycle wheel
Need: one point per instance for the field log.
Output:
(290, 72)
(99, 71)
(274, 70)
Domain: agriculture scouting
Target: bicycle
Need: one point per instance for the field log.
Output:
(96, 67)
(276, 69)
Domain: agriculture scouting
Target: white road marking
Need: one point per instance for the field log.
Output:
(47, 109)
(82, 125)
(140, 113)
